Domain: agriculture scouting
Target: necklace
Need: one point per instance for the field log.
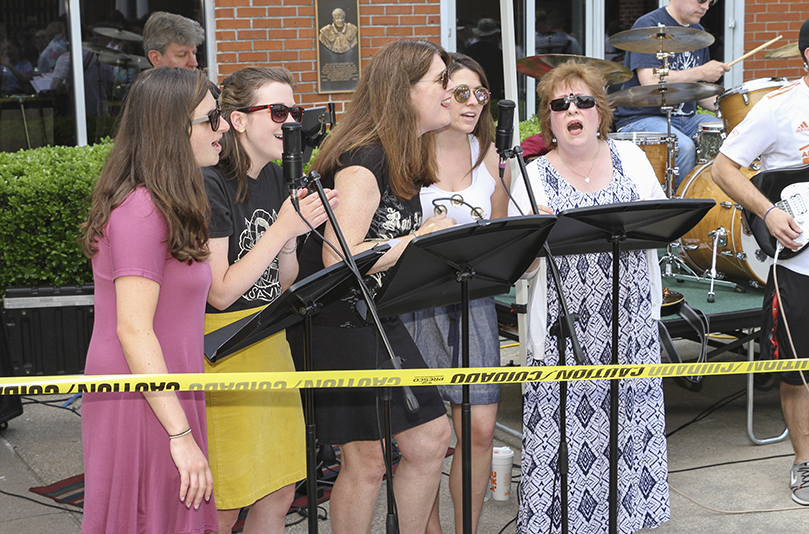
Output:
(585, 176)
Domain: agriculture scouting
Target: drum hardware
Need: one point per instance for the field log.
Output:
(721, 240)
(708, 140)
(654, 145)
(120, 35)
(735, 103)
(650, 40)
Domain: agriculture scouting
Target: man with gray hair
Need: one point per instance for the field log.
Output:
(171, 40)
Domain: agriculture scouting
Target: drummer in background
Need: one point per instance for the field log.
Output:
(171, 40)
(775, 130)
(693, 66)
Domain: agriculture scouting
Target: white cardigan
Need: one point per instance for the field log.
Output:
(636, 166)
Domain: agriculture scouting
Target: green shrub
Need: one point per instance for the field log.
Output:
(44, 196)
(529, 128)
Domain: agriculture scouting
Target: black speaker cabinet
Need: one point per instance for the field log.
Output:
(10, 405)
(48, 329)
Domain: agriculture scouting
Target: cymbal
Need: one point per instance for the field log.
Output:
(790, 50)
(121, 35)
(125, 61)
(91, 47)
(538, 66)
(675, 93)
(674, 39)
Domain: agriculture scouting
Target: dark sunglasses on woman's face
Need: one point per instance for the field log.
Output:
(582, 102)
(213, 117)
(464, 92)
(278, 112)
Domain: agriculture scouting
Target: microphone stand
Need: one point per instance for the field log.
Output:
(392, 525)
(562, 329)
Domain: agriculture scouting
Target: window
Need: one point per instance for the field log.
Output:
(37, 97)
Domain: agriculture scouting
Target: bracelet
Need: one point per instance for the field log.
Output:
(289, 251)
(768, 212)
(181, 434)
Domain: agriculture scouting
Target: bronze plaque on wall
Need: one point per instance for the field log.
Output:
(338, 45)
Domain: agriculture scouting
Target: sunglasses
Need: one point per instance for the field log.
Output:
(213, 117)
(582, 102)
(711, 2)
(464, 92)
(278, 112)
(443, 79)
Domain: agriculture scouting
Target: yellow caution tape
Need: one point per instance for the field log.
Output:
(383, 378)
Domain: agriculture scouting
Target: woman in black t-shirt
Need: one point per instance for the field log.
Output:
(378, 157)
(257, 437)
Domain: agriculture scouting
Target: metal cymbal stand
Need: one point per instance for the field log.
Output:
(671, 140)
(670, 258)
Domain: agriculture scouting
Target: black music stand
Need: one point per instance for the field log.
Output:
(613, 228)
(301, 301)
(486, 258)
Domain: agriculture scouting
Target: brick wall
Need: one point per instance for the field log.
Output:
(765, 20)
(282, 32)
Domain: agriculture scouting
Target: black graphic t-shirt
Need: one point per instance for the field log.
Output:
(393, 218)
(244, 223)
(637, 60)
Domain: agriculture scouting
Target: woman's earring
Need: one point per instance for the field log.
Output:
(598, 134)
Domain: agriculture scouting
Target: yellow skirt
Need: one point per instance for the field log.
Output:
(255, 438)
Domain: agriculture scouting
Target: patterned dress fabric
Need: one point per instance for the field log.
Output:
(643, 497)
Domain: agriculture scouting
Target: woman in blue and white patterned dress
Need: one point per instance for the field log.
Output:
(583, 169)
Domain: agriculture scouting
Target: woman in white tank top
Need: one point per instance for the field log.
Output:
(468, 189)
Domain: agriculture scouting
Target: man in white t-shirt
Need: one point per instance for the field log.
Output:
(777, 130)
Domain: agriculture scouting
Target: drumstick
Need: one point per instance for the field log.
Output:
(750, 53)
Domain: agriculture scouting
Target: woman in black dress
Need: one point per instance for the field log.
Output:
(377, 158)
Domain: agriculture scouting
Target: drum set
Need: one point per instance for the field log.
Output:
(720, 249)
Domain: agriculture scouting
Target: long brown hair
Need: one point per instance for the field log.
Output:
(239, 91)
(382, 112)
(152, 148)
(484, 129)
(567, 74)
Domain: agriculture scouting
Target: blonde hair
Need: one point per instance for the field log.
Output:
(568, 74)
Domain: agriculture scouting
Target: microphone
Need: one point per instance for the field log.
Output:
(505, 126)
(292, 158)
(505, 131)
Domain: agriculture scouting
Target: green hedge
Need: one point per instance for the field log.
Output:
(43, 200)
(44, 196)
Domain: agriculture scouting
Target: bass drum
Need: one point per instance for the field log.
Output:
(740, 257)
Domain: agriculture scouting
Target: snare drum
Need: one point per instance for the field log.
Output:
(710, 136)
(654, 145)
(740, 256)
(737, 102)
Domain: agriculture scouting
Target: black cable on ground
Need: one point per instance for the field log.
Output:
(705, 413)
(79, 511)
(731, 463)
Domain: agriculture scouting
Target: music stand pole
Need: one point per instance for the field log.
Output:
(410, 399)
(311, 434)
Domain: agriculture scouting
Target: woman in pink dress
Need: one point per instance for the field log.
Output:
(145, 453)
